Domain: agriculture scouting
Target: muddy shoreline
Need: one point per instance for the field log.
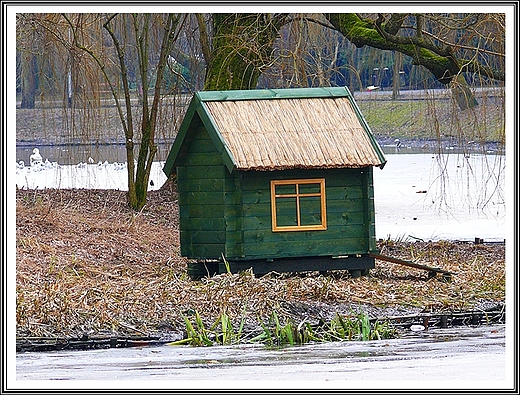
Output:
(488, 313)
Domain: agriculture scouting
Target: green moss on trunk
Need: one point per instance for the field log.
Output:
(361, 32)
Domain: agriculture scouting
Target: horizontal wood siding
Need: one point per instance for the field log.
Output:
(201, 181)
(233, 216)
(349, 216)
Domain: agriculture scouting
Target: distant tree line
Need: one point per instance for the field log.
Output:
(306, 50)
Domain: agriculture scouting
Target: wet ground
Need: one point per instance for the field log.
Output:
(465, 357)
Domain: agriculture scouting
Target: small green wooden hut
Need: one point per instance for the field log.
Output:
(276, 180)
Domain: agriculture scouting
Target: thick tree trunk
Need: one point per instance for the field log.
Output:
(242, 46)
(396, 81)
(462, 93)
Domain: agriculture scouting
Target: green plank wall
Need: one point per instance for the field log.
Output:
(350, 217)
(230, 214)
(200, 180)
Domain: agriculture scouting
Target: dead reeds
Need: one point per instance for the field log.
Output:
(86, 264)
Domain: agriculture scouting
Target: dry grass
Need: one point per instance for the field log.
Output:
(86, 264)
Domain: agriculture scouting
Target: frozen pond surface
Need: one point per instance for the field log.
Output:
(426, 196)
(462, 357)
(441, 197)
(83, 175)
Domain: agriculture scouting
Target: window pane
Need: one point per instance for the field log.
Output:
(310, 210)
(285, 189)
(309, 188)
(286, 212)
(289, 195)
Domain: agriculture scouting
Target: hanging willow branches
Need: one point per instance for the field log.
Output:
(134, 60)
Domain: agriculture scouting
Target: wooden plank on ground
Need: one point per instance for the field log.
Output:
(412, 264)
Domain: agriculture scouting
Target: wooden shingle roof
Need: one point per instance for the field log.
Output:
(281, 129)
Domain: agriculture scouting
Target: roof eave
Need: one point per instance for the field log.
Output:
(261, 94)
(324, 167)
(216, 137)
(196, 106)
(369, 133)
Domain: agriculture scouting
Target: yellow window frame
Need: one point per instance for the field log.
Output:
(297, 195)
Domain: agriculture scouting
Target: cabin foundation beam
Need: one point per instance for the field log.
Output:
(357, 265)
(283, 265)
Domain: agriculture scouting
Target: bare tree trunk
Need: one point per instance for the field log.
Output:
(137, 176)
(28, 80)
(127, 121)
(396, 81)
(462, 93)
(148, 148)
